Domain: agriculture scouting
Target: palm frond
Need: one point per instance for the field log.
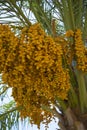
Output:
(15, 9)
(9, 116)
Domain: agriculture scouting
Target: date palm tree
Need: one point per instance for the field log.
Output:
(56, 17)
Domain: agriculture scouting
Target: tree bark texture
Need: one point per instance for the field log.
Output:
(71, 121)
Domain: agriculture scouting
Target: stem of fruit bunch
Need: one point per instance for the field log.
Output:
(82, 90)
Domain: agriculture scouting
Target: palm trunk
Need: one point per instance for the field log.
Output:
(71, 121)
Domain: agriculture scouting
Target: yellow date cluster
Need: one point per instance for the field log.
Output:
(80, 51)
(32, 66)
(8, 42)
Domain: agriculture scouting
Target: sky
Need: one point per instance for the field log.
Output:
(52, 126)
